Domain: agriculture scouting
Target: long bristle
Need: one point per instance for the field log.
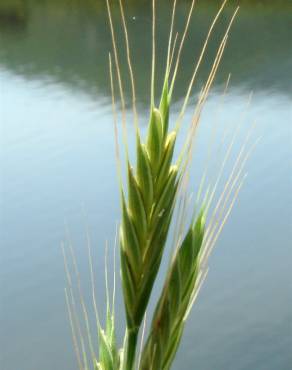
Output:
(198, 63)
(73, 315)
(181, 46)
(119, 77)
(153, 55)
(129, 61)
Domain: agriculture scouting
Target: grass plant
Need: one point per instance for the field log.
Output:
(149, 205)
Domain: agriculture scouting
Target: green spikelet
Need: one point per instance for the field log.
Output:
(166, 161)
(176, 298)
(128, 235)
(155, 139)
(109, 358)
(144, 176)
(166, 195)
(146, 216)
(137, 206)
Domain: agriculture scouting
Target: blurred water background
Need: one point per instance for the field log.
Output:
(58, 171)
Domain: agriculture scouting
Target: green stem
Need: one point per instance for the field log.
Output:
(131, 344)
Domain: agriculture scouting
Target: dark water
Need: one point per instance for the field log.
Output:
(58, 168)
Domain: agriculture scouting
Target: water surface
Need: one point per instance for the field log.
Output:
(58, 171)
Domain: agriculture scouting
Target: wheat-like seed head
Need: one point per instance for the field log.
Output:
(148, 203)
(109, 357)
(147, 212)
(180, 285)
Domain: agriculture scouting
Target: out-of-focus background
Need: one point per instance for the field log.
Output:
(58, 172)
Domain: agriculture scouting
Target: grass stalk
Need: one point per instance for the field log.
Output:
(130, 350)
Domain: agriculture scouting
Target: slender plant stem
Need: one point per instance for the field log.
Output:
(131, 345)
